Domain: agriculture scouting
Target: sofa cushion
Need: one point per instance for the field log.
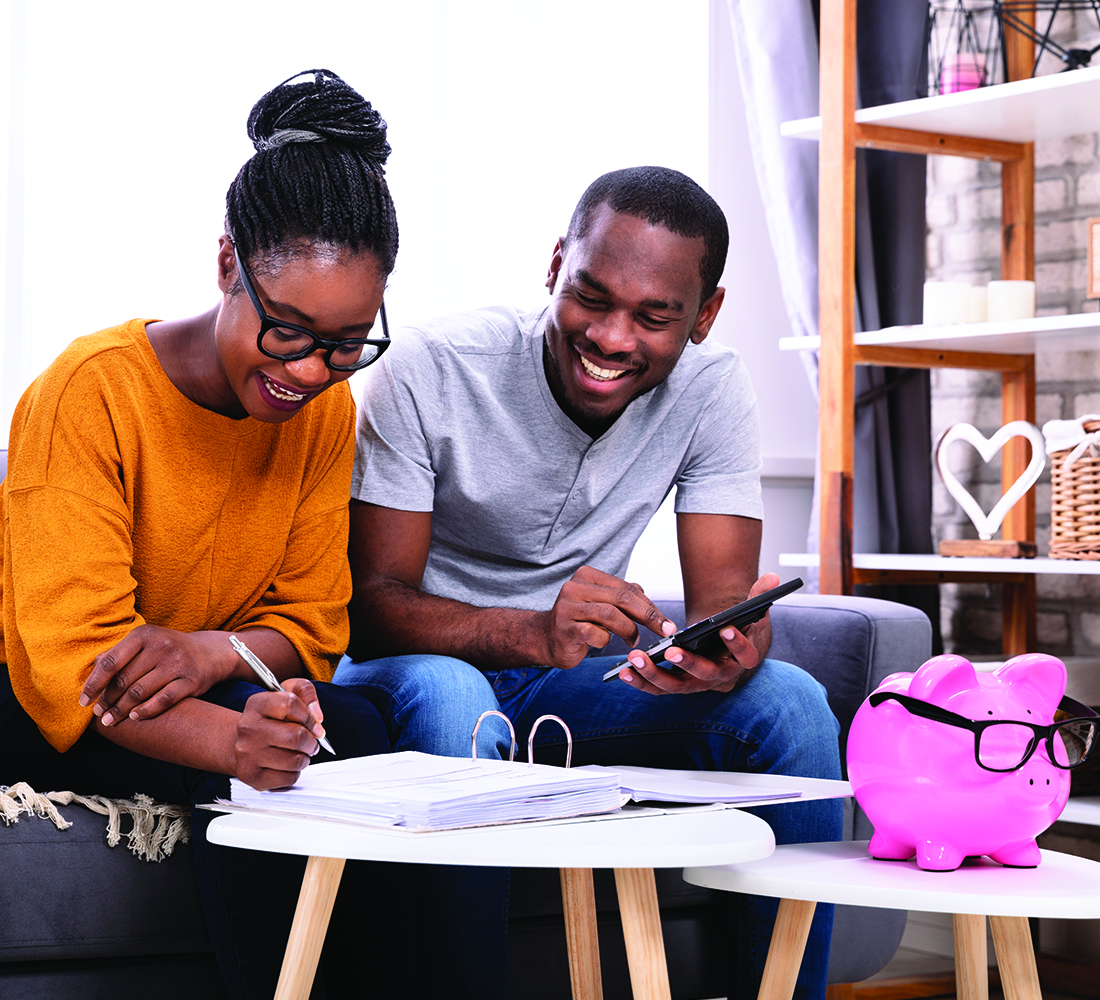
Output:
(65, 894)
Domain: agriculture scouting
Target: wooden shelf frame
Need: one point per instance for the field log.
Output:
(839, 138)
(1076, 332)
(885, 567)
(1025, 110)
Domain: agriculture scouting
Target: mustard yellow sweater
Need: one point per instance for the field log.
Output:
(126, 503)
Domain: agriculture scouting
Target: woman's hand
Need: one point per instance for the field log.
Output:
(153, 668)
(277, 735)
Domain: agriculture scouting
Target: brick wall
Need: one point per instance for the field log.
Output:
(964, 244)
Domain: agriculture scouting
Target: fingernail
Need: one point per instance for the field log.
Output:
(628, 677)
(636, 662)
(84, 700)
(674, 657)
(98, 709)
(134, 715)
(315, 711)
(728, 633)
(106, 719)
(668, 628)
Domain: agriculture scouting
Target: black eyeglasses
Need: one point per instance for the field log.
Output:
(1008, 745)
(287, 342)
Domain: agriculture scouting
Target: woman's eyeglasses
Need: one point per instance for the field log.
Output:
(288, 342)
(1001, 745)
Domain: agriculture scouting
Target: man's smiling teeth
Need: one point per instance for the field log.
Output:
(603, 374)
(280, 393)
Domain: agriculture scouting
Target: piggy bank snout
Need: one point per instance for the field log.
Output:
(1040, 777)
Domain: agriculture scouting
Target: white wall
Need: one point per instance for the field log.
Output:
(500, 114)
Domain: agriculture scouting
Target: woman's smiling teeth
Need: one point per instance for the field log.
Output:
(603, 374)
(279, 392)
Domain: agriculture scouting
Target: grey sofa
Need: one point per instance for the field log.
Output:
(79, 919)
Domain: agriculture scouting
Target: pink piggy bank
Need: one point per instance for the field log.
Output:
(919, 779)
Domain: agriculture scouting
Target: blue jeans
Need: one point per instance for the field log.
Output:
(777, 722)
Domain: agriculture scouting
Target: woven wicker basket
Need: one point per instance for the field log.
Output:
(1075, 505)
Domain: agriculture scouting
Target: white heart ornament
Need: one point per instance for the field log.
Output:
(987, 525)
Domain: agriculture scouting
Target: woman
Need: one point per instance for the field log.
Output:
(171, 484)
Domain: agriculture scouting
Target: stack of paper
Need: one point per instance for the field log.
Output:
(420, 791)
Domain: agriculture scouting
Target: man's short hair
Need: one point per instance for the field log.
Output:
(663, 197)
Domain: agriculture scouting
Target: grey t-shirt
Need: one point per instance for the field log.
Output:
(458, 419)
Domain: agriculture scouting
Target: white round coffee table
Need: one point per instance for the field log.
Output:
(633, 845)
(802, 875)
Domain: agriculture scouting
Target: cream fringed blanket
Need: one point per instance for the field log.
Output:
(157, 829)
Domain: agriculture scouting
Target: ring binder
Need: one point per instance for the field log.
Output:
(511, 729)
(568, 739)
(530, 739)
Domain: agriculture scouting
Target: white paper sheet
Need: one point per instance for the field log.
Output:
(651, 784)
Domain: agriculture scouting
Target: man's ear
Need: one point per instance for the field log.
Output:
(707, 315)
(555, 264)
(227, 264)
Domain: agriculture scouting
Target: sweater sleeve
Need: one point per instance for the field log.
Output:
(68, 587)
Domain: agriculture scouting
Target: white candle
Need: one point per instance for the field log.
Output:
(1010, 300)
(977, 308)
(945, 302)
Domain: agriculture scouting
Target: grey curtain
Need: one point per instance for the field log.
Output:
(776, 42)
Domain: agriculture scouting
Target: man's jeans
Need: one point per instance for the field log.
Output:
(777, 722)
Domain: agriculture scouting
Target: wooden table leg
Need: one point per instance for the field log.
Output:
(578, 899)
(307, 933)
(792, 928)
(1015, 958)
(971, 956)
(645, 945)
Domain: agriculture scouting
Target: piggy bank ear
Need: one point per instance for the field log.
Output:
(1042, 677)
(941, 677)
(895, 682)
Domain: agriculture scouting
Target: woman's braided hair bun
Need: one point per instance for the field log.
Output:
(315, 106)
(318, 174)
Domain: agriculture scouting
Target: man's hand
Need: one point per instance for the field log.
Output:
(590, 607)
(277, 735)
(693, 673)
(152, 668)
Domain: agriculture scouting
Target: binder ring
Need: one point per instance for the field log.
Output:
(568, 739)
(493, 711)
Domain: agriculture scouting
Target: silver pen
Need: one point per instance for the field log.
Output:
(270, 681)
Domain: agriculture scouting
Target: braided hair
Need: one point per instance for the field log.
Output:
(318, 173)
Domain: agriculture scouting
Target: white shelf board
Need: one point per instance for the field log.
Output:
(1077, 332)
(1047, 107)
(1083, 810)
(951, 564)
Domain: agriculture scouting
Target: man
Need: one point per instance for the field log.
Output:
(507, 464)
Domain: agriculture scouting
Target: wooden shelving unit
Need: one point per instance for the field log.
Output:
(995, 123)
(998, 124)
